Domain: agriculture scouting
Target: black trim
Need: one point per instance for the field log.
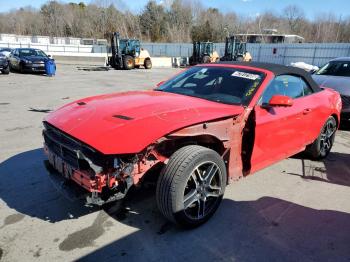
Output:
(123, 117)
(277, 70)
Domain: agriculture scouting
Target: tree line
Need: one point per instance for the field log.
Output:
(170, 21)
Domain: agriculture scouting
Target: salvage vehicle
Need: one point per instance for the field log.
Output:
(128, 54)
(236, 50)
(4, 64)
(206, 127)
(28, 60)
(336, 75)
(203, 52)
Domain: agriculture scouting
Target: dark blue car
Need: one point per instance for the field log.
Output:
(28, 60)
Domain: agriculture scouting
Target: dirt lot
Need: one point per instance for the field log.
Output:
(296, 210)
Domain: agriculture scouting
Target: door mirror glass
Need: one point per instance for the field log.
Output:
(279, 100)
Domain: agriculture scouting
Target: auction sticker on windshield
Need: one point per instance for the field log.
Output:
(245, 75)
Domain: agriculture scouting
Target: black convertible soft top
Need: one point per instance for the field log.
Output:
(279, 70)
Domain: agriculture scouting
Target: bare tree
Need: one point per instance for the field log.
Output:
(294, 16)
(167, 20)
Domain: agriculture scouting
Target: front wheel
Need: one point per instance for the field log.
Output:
(6, 71)
(191, 186)
(206, 59)
(321, 147)
(129, 62)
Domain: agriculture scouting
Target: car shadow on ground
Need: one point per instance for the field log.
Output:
(38, 73)
(335, 169)
(268, 229)
(25, 186)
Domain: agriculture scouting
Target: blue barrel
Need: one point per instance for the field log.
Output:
(50, 67)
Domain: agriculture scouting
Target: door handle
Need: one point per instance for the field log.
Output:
(307, 111)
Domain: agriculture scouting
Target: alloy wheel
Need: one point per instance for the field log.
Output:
(326, 138)
(202, 191)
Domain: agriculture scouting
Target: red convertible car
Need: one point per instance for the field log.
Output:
(197, 132)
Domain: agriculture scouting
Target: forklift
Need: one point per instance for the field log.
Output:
(236, 50)
(203, 53)
(127, 54)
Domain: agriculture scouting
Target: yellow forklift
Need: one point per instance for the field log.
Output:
(203, 52)
(128, 54)
(236, 50)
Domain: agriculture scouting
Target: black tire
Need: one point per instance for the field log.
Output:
(323, 144)
(6, 71)
(137, 66)
(179, 176)
(128, 62)
(148, 63)
(190, 61)
(206, 59)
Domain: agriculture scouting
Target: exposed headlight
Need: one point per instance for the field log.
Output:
(27, 61)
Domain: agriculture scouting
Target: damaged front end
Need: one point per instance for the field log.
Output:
(103, 178)
(106, 178)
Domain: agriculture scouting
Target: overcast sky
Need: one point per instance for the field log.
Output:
(248, 7)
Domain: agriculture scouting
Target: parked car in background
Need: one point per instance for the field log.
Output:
(336, 75)
(4, 64)
(28, 60)
(197, 132)
(5, 51)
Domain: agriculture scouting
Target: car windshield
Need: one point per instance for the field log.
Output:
(335, 68)
(219, 84)
(31, 52)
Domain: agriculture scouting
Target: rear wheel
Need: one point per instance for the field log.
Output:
(148, 63)
(191, 186)
(129, 62)
(321, 147)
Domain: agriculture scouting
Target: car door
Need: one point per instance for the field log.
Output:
(13, 59)
(279, 130)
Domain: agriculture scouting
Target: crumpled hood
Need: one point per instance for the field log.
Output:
(128, 122)
(338, 83)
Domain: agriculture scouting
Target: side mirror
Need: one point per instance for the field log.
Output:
(279, 100)
(49, 56)
(160, 83)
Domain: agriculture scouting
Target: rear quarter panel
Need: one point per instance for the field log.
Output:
(323, 104)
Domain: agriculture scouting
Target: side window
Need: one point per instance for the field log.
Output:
(306, 88)
(292, 85)
(287, 85)
(274, 88)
